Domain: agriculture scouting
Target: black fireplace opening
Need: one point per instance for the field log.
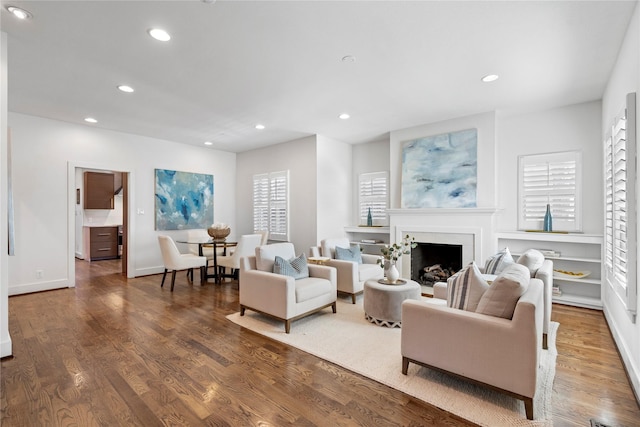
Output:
(435, 262)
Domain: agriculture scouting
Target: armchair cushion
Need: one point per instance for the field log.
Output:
(465, 288)
(496, 263)
(532, 259)
(296, 267)
(502, 296)
(349, 254)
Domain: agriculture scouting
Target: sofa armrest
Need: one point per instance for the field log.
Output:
(271, 293)
(314, 251)
(324, 272)
(440, 290)
(347, 271)
(370, 258)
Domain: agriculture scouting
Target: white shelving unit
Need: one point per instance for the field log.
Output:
(578, 252)
(358, 234)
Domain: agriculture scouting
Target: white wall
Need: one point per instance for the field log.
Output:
(625, 78)
(575, 127)
(335, 188)
(45, 157)
(367, 158)
(5, 338)
(485, 123)
(299, 158)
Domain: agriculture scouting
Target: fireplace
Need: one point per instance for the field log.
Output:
(435, 262)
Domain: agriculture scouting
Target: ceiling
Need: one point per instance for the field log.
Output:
(233, 64)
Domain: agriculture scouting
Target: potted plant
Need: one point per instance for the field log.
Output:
(391, 254)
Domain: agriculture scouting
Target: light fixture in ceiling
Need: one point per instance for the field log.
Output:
(348, 58)
(344, 116)
(208, 143)
(259, 126)
(90, 120)
(159, 34)
(490, 78)
(125, 88)
(19, 13)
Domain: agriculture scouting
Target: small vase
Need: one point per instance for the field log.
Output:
(548, 220)
(369, 219)
(393, 274)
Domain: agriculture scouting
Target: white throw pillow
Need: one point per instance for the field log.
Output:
(465, 288)
(502, 296)
(532, 259)
(498, 262)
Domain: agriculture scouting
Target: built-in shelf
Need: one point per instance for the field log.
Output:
(357, 234)
(578, 252)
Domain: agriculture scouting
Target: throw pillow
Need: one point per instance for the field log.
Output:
(295, 267)
(465, 288)
(349, 254)
(502, 296)
(532, 259)
(498, 262)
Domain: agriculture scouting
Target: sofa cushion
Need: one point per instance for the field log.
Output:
(496, 263)
(352, 253)
(266, 255)
(295, 267)
(532, 259)
(311, 287)
(502, 296)
(465, 288)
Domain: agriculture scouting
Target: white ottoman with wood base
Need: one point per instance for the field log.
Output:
(383, 302)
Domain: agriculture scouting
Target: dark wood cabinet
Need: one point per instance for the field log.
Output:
(101, 242)
(98, 190)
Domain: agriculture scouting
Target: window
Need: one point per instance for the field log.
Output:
(620, 212)
(271, 204)
(373, 193)
(553, 179)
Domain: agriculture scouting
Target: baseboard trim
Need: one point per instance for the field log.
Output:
(6, 348)
(627, 362)
(28, 288)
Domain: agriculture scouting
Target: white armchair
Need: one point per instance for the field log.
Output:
(280, 296)
(351, 275)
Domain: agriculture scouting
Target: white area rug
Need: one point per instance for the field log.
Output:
(348, 340)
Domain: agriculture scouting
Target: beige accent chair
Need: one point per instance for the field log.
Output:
(544, 273)
(174, 260)
(284, 297)
(351, 275)
(493, 351)
(246, 247)
(200, 235)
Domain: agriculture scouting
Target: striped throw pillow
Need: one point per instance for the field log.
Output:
(295, 267)
(465, 288)
(498, 262)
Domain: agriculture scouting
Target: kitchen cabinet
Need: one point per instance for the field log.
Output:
(98, 190)
(100, 242)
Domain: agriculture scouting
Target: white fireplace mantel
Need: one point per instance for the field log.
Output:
(444, 211)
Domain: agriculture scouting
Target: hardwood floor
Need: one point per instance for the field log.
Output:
(114, 351)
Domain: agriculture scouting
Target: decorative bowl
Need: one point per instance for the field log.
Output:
(218, 233)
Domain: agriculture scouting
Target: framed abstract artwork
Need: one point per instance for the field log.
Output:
(440, 171)
(183, 200)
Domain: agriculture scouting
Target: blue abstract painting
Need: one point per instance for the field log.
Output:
(184, 200)
(440, 171)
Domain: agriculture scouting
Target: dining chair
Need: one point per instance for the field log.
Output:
(175, 261)
(246, 247)
(200, 235)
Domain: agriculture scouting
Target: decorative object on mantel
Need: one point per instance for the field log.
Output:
(369, 219)
(441, 171)
(183, 200)
(391, 254)
(548, 220)
(219, 231)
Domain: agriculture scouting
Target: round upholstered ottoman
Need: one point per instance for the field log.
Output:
(383, 302)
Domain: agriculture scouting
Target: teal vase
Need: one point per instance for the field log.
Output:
(369, 219)
(548, 226)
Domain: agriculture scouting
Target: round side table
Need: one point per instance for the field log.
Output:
(383, 302)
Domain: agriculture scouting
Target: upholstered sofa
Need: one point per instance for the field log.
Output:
(282, 296)
(544, 273)
(500, 352)
(351, 275)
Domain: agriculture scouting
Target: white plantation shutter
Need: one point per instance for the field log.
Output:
(620, 206)
(271, 204)
(373, 193)
(553, 179)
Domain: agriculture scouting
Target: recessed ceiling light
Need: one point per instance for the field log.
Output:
(490, 78)
(125, 88)
(344, 116)
(90, 120)
(259, 126)
(349, 58)
(19, 13)
(208, 143)
(159, 34)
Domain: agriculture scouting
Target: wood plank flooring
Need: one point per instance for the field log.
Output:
(124, 352)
